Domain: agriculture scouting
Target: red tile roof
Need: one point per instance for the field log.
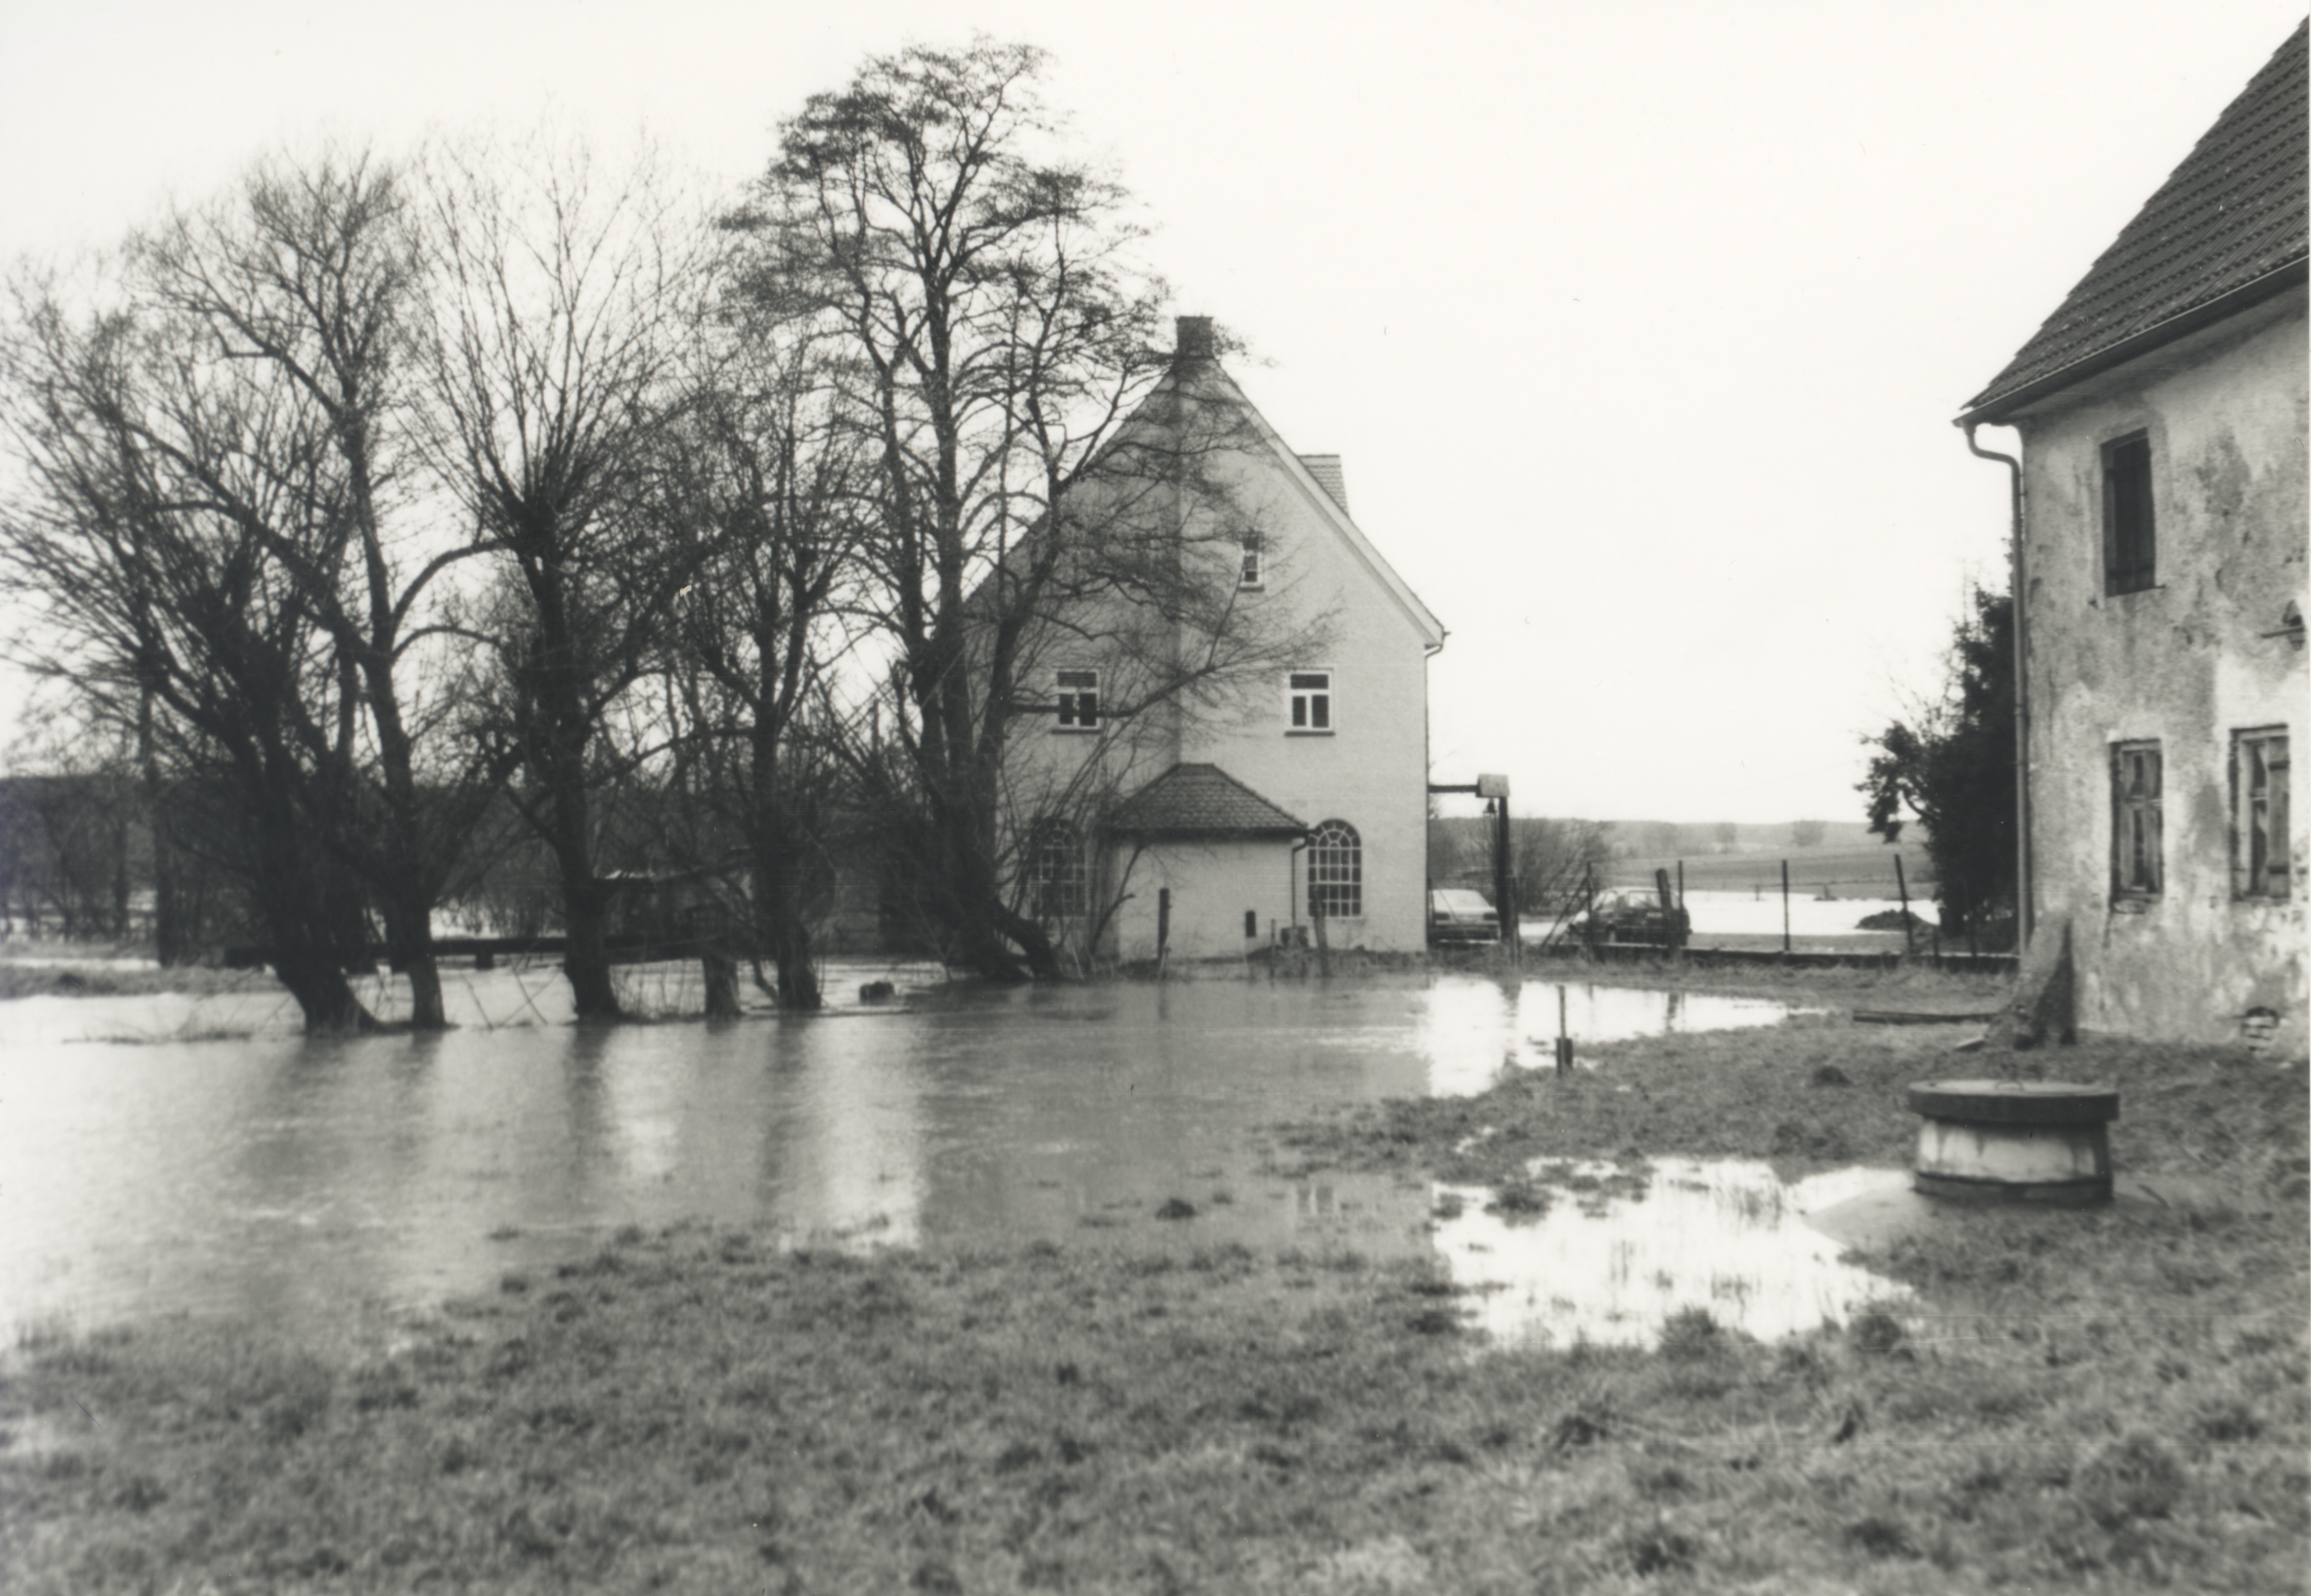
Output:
(1201, 800)
(2232, 215)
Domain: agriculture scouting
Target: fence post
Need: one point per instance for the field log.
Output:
(1785, 908)
(1903, 886)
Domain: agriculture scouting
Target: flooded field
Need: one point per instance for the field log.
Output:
(1827, 923)
(166, 1154)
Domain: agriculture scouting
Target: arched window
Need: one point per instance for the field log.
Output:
(1060, 876)
(1336, 872)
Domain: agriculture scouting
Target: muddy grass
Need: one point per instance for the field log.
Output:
(1819, 1092)
(2101, 1401)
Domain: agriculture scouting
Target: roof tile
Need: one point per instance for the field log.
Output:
(1200, 800)
(2235, 211)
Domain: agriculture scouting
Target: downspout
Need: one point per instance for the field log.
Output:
(1292, 880)
(2025, 887)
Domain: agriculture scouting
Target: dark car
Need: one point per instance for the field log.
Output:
(1639, 920)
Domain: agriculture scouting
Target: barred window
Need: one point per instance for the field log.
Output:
(2261, 864)
(1059, 878)
(2137, 824)
(1336, 872)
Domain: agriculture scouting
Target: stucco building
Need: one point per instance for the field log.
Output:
(1278, 771)
(2159, 564)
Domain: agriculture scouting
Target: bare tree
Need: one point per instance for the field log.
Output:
(997, 335)
(761, 497)
(565, 296)
(168, 494)
(313, 276)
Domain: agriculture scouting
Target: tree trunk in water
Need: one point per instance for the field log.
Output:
(586, 909)
(323, 995)
(721, 972)
(585, 896)
(799, 988)
(988, 930)
(409, 943)
(170, 941)
(778, 912)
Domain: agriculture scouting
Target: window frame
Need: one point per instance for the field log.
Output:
(2129, 516)
(2261, 816)
(1072, 720)
(1308, 708)
(1254, 572)
(2138, 873)
(1335, 870)
(1058, 874)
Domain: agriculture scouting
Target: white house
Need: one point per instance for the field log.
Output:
(2159, 554)
(1287, 780)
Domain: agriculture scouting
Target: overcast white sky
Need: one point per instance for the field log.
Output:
(1640, 325)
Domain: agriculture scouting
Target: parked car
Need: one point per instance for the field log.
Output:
(1633, 920)
(1456, 915)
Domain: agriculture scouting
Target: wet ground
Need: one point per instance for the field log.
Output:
(170, 1155)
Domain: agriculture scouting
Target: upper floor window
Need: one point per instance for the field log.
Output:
(2129, 534)
(2261, 862)
(1078, 701)
(1310, 706)
(1253, 549)
(2136, 825)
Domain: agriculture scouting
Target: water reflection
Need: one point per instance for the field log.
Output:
(1525, 1021)
(1727, 1236)
(318, 1183)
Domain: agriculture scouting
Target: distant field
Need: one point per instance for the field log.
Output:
(1864, 870)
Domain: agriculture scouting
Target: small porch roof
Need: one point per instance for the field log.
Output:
(1201, 800)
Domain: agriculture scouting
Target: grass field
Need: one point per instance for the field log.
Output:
(2110, 1401)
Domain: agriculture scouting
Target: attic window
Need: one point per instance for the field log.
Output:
(2130, 540)
(1078, 701)
(1253, 549)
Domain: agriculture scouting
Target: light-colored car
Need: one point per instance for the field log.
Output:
(1456, 914)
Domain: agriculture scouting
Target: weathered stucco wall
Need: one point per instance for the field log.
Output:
(2187, 663)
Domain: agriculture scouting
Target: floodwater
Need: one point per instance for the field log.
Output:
(1726, 1235)
(1760, 913)
(170, 1155)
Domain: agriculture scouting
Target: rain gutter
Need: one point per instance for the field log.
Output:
(2024, 889)
(1994, 411)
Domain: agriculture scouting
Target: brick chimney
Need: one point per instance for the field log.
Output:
(1326, 470)
(1192, 339)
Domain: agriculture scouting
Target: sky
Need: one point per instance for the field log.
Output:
(1639, 326)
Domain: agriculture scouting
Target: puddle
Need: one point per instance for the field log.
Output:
(1728, 1236)
(1526, 1020)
